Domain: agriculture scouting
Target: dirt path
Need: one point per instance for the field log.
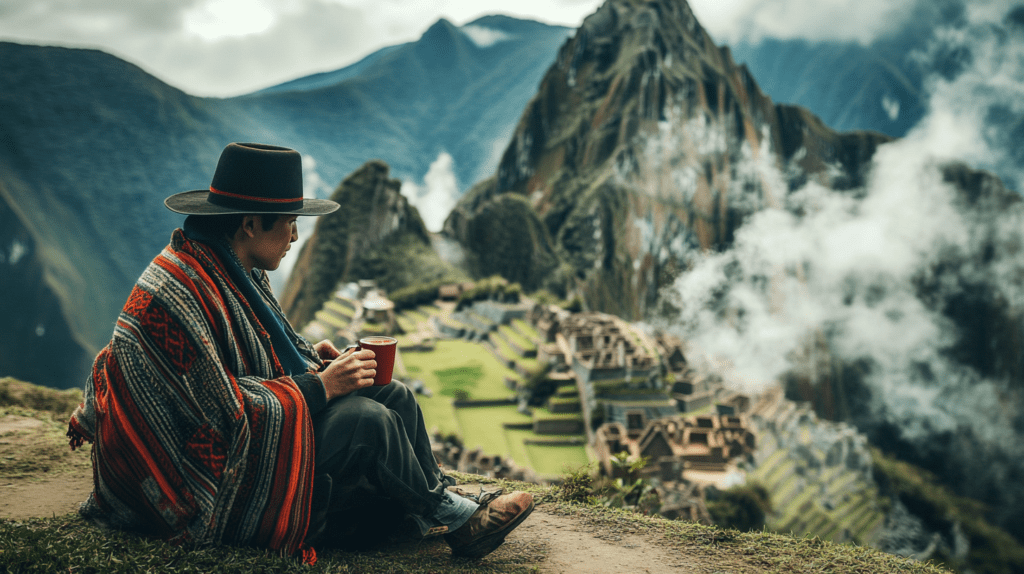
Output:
(32, 498)
(572, 550)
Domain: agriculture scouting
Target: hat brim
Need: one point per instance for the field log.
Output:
(195, 203)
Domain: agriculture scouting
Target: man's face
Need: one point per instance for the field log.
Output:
(269, 247)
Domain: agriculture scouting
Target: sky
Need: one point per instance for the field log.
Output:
(231, 47)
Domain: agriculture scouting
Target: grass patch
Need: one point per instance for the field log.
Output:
(747, 552)
(527, 330)
(428, 310)
(487, 432)
(459, 360)
(449, 356)
(551, 460)
(415, 316)
(516, 448)
(15, 393)
(517, 339)
(457, 382)
(70, 544)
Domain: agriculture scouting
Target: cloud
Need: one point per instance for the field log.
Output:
(436, 198)
(232, 47)
(212, 47)
(856, 20)
(84, 18)
(483, 36)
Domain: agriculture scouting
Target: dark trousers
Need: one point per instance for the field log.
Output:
(372, 445)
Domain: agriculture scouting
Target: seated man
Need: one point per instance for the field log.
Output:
(212, 420)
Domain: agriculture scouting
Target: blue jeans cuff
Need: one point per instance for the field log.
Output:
(454, 510)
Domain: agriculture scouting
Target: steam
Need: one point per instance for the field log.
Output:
(863, 277)
(436, 198)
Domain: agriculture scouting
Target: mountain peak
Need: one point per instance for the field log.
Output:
(440, 31)
(442, 42)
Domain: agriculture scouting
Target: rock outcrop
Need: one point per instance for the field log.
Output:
(375, 235)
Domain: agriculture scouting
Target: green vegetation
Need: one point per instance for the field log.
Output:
(70, 544)
(415, 295)
(577, 486)
(463, 378)
(15, 393)
(346, 245)
(992, 549)
(513, 336)
(495, 288)
(741, 507)
(486, 423)
(462, 359)
(554, 460)
(504, 236)
(527, 330)
(798, 509)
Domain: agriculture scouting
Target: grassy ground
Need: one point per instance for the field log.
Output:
(69, 544)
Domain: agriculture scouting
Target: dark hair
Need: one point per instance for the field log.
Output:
(227, 224)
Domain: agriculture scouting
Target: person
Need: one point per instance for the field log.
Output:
(212, 420)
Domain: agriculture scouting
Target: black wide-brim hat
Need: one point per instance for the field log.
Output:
(252, 178)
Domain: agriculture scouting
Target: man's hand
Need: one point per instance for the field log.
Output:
(348, 373)
(326, 350)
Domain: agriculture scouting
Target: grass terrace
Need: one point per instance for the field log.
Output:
(455, 365)
(527, 330)
(339, 309)
(406, 323)
(488, 432)
(515, 337)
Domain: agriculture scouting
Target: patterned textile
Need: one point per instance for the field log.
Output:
(198, 433)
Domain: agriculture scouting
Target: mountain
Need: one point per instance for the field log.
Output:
(670, 188)
(90, 145)
(639, 94)
(848, 85)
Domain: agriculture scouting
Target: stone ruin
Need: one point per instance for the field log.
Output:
(703, 447)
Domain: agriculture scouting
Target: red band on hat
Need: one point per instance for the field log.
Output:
(252, 198)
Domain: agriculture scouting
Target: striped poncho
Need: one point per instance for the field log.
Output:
(197, 432)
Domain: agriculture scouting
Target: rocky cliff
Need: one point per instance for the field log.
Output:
(646, 142)
(375, 235)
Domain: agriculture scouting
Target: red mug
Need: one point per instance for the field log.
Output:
(384, 353)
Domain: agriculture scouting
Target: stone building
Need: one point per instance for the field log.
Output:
(702, 449)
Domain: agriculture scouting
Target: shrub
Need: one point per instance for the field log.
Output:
(741, 507)
(577, 486)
